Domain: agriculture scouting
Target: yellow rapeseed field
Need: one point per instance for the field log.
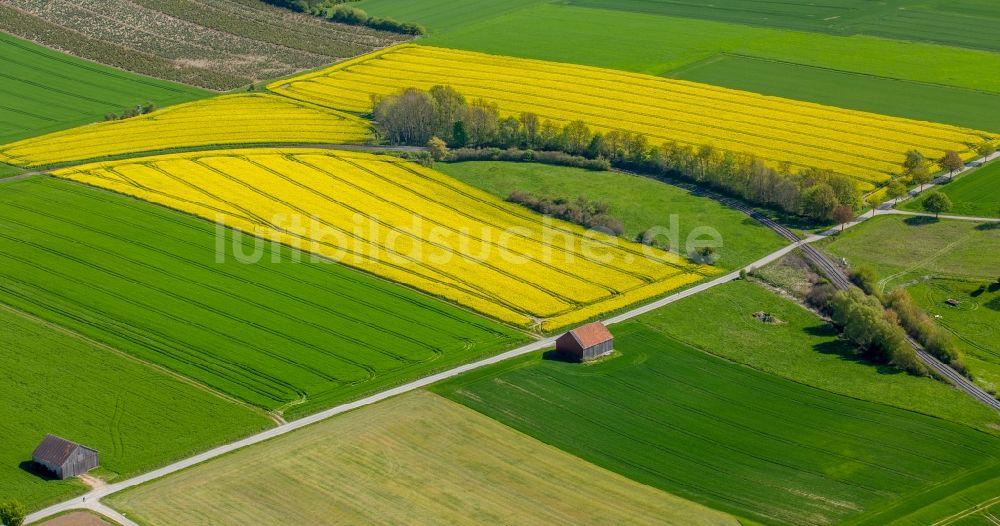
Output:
(865, 146)
(225, 120)
(408, 224)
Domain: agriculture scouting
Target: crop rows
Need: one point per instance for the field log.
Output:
(408, 224)
(730, 437)
(149, 282)
(225, 120)
(866, 146)
(214, 44)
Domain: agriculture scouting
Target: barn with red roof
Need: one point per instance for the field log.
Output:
(586, 343)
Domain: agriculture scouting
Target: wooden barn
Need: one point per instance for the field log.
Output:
(586, 343)
(63, 458)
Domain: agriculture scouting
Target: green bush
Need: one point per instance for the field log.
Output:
(922, 328)
(874, 330)
(865, 277)
(12, 513)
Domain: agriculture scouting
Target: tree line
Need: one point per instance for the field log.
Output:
(878, 324)
(414, 117)
(338, 11)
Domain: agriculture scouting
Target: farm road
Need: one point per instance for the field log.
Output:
(19, 177)
(893, 211)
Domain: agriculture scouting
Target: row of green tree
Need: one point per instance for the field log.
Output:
(917, 323)
(414, 117)
(919, 170)
(338, 11)
(879, 323)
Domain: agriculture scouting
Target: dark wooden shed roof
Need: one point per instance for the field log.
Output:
(591, 334)
(54, 450)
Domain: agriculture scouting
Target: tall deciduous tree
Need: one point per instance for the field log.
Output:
(483, 122)
(873, 201)
(986, 149)
(845, 189)
(530, 125)
(576, 137)
(921, 176)
(895, 190)
(405, 118)
(509, 132)
(936, 203)
(449, 108)
(842, 215)
(459, 136)
(819, 202)
(913, 160)
(951, 162)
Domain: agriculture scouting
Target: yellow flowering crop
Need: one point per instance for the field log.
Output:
(408, 224)
(225, 120)
(865, 146)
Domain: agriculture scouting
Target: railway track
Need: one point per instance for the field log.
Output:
(838, 278)
(954, 377)
(834, 273)
(840, 281)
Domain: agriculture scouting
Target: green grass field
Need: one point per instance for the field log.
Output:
(974, 194)
(640, 203)
(136, 416)
(967, 23)
(804, 349)
(736, 439)
(287, 336)
(914, 100)
(7, 170)
(42, 90)
(417, 459)
(938, 260)
(655, 44)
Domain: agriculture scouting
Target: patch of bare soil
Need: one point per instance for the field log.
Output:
(93, 482)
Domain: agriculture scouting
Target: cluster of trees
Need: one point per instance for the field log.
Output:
(912, 318)
(414, 117)
(141, 109)
(338, 11)
(590, 214)
(878, 324)
(874, 329)
(594, 214)
(922, 328)
(12, 513)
